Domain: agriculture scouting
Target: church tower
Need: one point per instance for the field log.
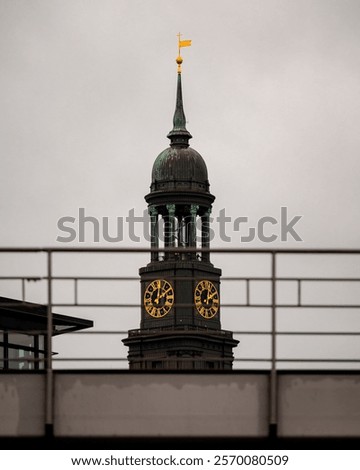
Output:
(180, 288)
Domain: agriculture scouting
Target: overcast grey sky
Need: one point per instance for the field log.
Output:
(271, 95)
(271, 92)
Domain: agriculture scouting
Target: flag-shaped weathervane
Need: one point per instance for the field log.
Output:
(182, 43)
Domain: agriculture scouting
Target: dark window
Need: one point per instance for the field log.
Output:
(21, 351)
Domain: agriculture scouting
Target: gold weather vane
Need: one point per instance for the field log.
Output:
(181, 43)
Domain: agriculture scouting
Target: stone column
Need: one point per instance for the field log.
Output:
(171, 227)
(192, 242)
(205, 234)
(154, 232)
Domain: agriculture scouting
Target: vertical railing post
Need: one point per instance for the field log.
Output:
(76, 291)
(49, 395)
(248, 292)
(23, 295)
(273, 376)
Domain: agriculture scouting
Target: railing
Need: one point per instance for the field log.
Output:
(273, 279)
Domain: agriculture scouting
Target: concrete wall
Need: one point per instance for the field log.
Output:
(161, 405)
(228, 405)
(316, 405)
(22, 404)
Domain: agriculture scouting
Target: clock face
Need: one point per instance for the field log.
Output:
(158, 298)
(206, 299)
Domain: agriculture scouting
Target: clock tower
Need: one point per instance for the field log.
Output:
(180, 288)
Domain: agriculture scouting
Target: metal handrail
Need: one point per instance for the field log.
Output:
(273, 305)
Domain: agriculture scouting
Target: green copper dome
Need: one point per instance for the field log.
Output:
(179, 168)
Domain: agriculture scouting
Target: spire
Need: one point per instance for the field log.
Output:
(179, 136)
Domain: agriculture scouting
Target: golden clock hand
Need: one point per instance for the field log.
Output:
(164, 293)
(211, 295)
(158, 292)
